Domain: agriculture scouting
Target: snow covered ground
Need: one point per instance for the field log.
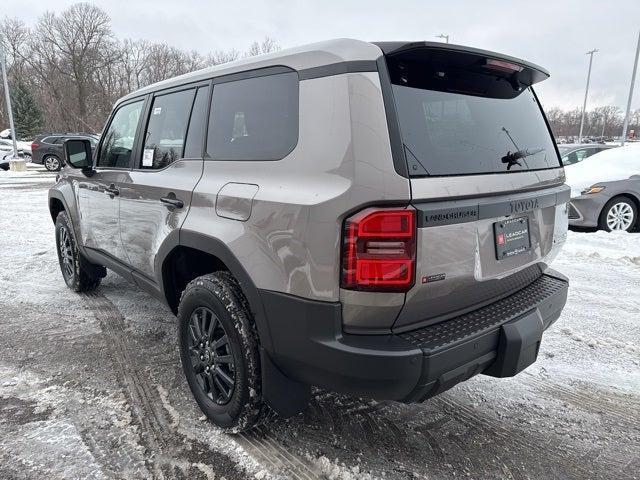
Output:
(91, 385)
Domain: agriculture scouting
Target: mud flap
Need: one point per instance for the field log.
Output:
(285, 396)
(518, 345)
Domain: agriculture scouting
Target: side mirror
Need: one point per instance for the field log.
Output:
(78, 154)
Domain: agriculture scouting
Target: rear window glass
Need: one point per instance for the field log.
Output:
(254, 119)
(167, 129)
(473, 127)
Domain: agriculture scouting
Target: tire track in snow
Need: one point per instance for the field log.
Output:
(555, 451)
(169, 454)
(259, 443)
(625, 410)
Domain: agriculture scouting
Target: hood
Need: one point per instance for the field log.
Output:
(607, 166)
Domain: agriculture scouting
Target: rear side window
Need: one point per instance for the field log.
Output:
(254, 119)
(117, 143)
(459, 118)
(167, 129)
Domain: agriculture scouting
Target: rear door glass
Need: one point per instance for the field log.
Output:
(455, 134)
(167, 129)
(460, 119)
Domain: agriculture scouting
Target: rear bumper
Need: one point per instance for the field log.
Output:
(36, 157)
(310, 347)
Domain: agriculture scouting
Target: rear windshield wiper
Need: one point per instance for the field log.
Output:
(512, 159)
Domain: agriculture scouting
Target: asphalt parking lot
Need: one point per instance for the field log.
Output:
(91, 385)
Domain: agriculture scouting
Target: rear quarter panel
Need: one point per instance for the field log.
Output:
(291, 241)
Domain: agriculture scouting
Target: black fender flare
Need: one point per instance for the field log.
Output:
(58, 195)
(217, 248)
(286, 396)
(55, 194)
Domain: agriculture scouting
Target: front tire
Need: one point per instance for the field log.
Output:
(219, 352)
(79, 274)
(52, 163)
(619, 214)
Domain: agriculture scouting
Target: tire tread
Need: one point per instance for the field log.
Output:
(228, 291)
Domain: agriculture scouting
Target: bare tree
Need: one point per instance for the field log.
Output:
(220, 56)
(75, 68)
(266, 46)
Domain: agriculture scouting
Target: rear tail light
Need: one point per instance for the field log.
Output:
(379, 250)
(34, 145)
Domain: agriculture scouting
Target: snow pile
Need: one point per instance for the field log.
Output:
(602, 314)
(608, 166)
(620, 247)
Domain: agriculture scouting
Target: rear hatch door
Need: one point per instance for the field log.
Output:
(485, 174)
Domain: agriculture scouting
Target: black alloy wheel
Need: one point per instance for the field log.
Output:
(211, 356)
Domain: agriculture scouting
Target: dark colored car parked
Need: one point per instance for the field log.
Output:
(46, 149)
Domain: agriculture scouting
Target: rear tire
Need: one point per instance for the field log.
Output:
(619, 214)
(79, 274)
(52, 163)
(219, 352)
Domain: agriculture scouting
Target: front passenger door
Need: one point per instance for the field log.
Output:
(98, 196)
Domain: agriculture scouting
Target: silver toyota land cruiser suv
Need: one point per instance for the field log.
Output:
(370, 218)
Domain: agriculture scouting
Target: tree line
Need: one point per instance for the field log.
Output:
(66, 71)
(603, 121)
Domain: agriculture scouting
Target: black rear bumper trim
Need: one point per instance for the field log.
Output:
(310, 346)
(442, 335)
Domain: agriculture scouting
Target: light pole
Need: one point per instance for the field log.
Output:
(633, 80)
(442, 35)
(15, 162)
(586, 92)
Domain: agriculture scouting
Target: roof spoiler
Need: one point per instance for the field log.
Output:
(529, 73)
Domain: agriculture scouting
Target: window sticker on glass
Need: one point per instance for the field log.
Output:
(157, 110)
(147, 157)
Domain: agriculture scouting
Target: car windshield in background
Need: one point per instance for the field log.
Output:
(459, 116)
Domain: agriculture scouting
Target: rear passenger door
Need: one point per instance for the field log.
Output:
(156, 202)
(56, 146)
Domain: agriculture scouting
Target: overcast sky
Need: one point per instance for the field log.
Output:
(555, 34)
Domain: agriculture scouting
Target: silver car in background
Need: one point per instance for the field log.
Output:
(605, 190)
(572, 153)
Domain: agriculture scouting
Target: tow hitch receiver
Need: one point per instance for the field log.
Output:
(518, 345)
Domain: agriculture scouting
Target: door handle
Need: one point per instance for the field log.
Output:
(112, 191)
(172, 201)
